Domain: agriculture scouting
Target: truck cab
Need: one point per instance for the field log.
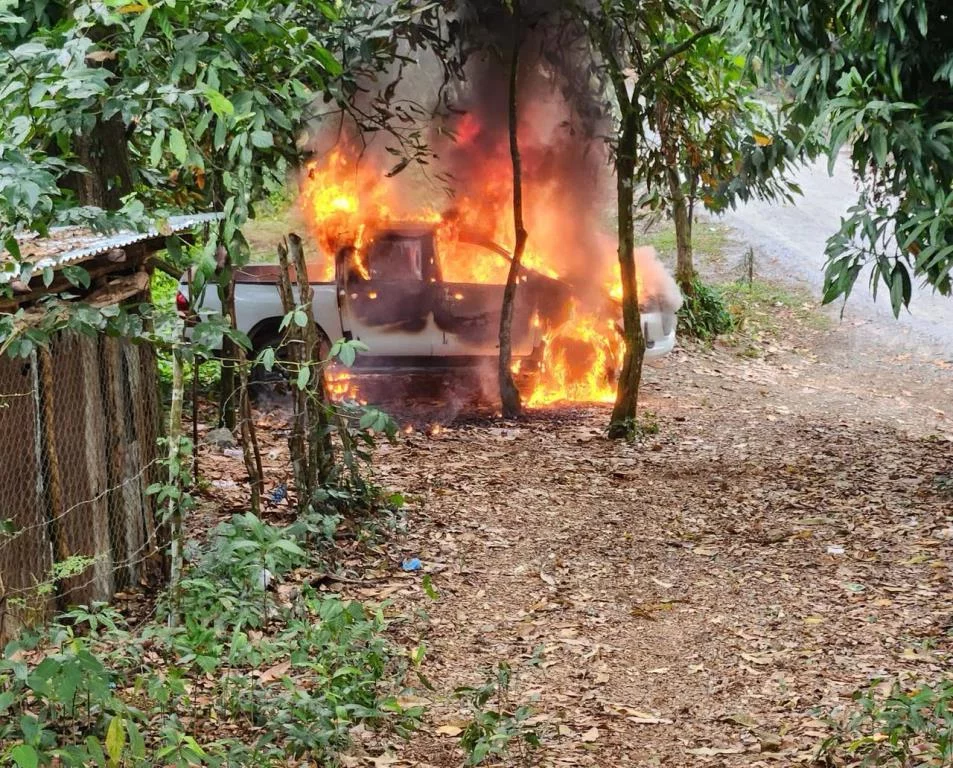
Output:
(394, 298)
(393, 294)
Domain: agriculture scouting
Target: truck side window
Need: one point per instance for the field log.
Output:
(396, 259)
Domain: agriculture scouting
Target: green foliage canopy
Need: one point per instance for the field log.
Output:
(877, 78)
(216, 99)
(728, 146)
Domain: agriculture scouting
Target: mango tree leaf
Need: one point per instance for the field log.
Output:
(139, 26)
(25, 756)
(177, 145)
(155, 152)
(332, 65)
(220, 105)
(115, 739)
(262, 139)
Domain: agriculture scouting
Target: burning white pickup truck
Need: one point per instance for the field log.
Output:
(393, 295)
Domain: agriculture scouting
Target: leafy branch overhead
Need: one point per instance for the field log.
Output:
(215, 105)
(878, 79)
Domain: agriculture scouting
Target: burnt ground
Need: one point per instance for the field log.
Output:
(704, 596)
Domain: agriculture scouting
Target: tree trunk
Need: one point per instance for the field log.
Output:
(684, 263)
(226, 382)
(249, 437)
(509, 394)
(627, 396)
(297, 447)
(234, 398)
(54, 478)
(104, 152)
(176, 534)
(320, 448)
(681, 213)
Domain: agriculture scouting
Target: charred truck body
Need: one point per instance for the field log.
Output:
(393, 297)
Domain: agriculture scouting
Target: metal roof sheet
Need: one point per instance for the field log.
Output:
(69, 245)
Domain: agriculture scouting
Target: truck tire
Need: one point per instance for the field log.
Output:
(276, 381)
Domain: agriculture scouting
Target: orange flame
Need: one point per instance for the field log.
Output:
(343, 199)
(342, 385)
(580, 362)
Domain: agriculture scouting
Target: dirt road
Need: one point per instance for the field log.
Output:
(789, 240)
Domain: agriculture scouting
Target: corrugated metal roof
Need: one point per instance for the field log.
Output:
(69, 245)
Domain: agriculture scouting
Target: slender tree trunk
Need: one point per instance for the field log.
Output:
(509, 394)
(296, 439)
(104, 152)
(196, 369)
(681, 215)
(627, 396)
(250, 450)
(235, 394)
(684, 263)
(320, 449)
(54, 478)
(226, 383)
(174, 477)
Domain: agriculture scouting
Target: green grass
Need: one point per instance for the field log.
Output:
(764, 311)
(710, 242)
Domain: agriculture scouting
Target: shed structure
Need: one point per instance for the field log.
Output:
(79, 423)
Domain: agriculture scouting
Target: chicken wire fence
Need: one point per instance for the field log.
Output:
(79, 422)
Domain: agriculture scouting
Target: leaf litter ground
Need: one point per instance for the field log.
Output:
(704, 596)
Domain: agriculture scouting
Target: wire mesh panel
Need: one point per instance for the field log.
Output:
(79, 423)
(25, 552)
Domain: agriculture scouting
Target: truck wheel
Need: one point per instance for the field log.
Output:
(276, 381)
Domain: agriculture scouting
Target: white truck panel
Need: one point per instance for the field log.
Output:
(417, 316)
(260, 303)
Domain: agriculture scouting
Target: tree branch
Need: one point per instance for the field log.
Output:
(683, 46)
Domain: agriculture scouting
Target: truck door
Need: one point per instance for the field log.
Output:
(469, 314)
(387, 298)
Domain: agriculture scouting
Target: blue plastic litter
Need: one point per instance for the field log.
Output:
(411, 564)
(279, 494)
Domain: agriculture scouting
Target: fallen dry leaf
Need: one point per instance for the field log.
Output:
(275, 673)
(741, 718)
(712, 751)
(590, 736)
(647, 718)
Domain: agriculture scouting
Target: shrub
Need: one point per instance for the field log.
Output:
(704, 314)
(286, 677)
(906, 727)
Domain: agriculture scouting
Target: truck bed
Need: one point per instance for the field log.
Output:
(267, 274)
